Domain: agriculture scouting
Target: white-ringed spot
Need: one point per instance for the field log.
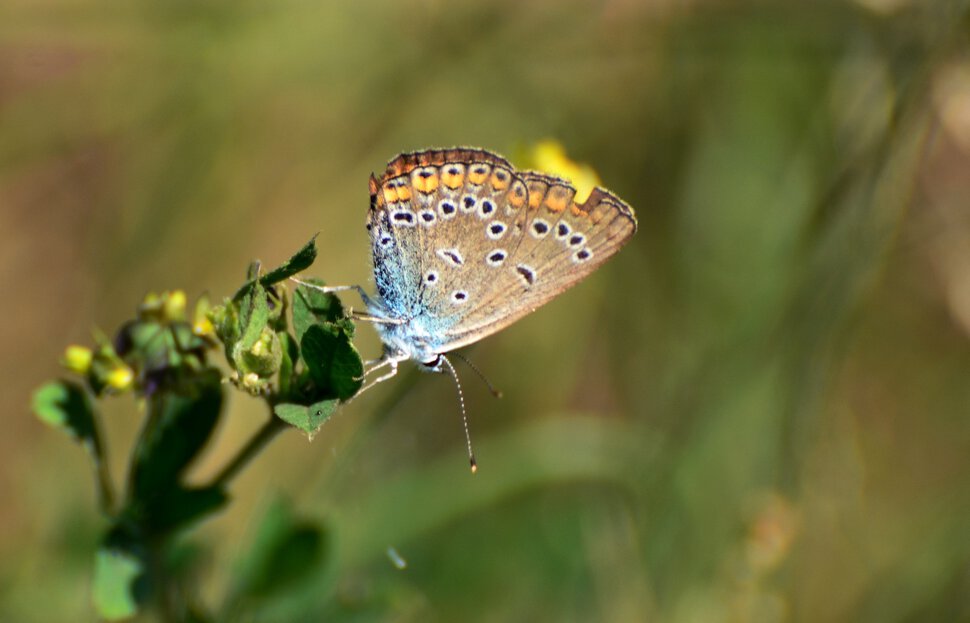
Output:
(495, 257)
(527, 274)
(539, 228)
(402, 217)
(495, 230)
(427, 217)
(451, 256)
(486, 209)
(447, 209)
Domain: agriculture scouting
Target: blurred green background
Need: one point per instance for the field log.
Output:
(758, 411)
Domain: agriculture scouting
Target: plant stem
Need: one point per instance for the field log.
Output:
(253, 447)
(106, 496)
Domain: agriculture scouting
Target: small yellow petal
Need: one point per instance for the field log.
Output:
(120, 378)
(78, 358)
(173, 305)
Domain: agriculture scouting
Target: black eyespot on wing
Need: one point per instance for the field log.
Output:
(496, 228)
(479, 170)
(447, 207)
(540, 227)
(527, 273)
(468, 201)
(562, 230)
(427, 216)
(496, 256)
(583, 255)
(576, 240)
(453, 171)
(487, 207)
(425, 174)
(403, 217)
(501, 176)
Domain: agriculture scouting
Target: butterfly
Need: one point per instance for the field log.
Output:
(463, 245)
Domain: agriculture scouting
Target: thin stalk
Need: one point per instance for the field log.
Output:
(253, 447)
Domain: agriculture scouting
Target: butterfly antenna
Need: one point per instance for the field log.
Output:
(464, 416)
(488, 384)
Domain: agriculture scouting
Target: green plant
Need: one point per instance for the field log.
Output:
(295, 355)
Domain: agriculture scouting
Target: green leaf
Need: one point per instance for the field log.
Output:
(333, 362)
(66, 406)
(296, 264)
(286, 550)
(114, 574)
(254, 316)
(311, 306)
(306, 418)
(180, 506)
(120, 576)
(178, 427)
(291, 352)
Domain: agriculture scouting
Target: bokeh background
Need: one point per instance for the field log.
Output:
(758, 411)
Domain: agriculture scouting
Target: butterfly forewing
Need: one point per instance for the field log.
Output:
(465, 245)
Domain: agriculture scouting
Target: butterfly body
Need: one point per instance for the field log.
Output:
(464, 245)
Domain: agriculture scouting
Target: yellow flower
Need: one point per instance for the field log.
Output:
(167, 307)
(120, 377)
(550, 156)
(78, 359)
(173, 306)
(201, 323)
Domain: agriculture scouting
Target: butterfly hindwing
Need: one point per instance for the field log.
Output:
(573, 239)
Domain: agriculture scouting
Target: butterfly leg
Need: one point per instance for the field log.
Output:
(391, 361)
(365, 317)
(330, 289)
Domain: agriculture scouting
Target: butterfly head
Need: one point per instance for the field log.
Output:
(410, 340)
